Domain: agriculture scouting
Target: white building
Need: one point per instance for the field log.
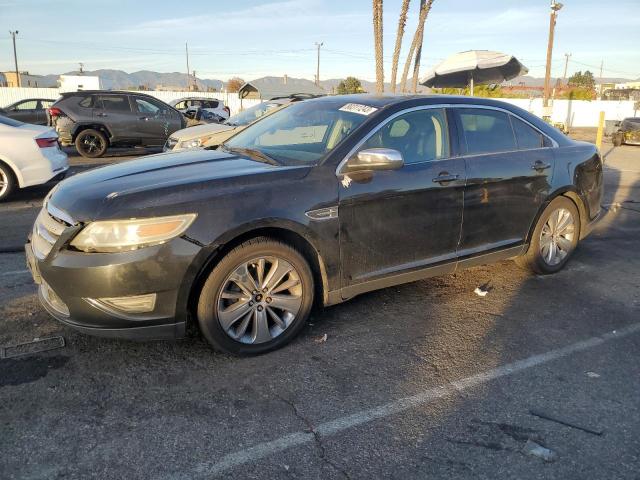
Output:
(73, 83)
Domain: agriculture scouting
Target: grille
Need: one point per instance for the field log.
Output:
(46, 231)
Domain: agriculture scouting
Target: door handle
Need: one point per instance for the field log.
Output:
(143, 118)
(539, 165)
(445, 177)
(101, 114)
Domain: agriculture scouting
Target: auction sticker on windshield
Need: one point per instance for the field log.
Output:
(358, 108)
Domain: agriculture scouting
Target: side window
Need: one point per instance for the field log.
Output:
(145, 106)
(181, 105)
(115, 103)
(526, 136)
(419, 136)
(28, 105)
(211, 104)
(46, 103)
(486, 131)
(86, 102)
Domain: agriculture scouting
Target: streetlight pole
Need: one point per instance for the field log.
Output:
(15, 57)
(555, 7)
(318, 45)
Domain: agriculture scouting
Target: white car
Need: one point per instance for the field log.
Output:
(202, 108)
(29, 155)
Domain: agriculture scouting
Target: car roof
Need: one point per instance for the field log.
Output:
(385, 100)
(106, 92)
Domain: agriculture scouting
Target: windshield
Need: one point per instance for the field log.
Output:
(303, 132)
(251, 114)
(10, 121)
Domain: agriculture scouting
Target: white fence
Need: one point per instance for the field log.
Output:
(574, 113)
(8, 95)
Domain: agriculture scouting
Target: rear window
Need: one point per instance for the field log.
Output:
(10, 122)
(527, 137)
(114, 103)
(486, 131)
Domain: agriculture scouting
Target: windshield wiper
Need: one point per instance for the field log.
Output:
(252, 153)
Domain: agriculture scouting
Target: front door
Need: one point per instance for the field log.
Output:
(154, 121)
(508, 178)
(399, 221)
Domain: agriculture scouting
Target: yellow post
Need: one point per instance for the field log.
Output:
(600, 131)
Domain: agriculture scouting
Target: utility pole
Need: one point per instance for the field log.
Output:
(186, 49)
(601, 86)
(15, 57)
(567, 56)
(81, 68)
(195, 82)
(318, 45)
(555, 7)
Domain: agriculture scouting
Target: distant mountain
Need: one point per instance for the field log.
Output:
(118, 79)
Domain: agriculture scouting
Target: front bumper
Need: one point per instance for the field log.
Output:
(72, 283)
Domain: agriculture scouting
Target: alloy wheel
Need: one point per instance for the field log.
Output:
(557, 236)
(259, 300)
(4, 183)
(92, 143)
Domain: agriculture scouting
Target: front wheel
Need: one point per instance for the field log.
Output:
(554, 239)
(257, 298)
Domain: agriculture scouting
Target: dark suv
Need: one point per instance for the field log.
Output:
(96, 120)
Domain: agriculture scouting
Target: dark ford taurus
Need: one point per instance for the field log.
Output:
(317, 203)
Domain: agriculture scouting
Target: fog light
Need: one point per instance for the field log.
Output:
(133, 304)
(54, 300)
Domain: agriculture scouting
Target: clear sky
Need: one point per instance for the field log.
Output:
(253, 38)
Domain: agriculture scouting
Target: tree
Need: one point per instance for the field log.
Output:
(580, 79)
(349, 85)
(234, 84)
(417, 37)
(377, 40)
(402, 22)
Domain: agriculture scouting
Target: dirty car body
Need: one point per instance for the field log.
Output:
(461, 197)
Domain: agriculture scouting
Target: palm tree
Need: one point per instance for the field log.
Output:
(396, 52)
(425, 6)
(377, 37)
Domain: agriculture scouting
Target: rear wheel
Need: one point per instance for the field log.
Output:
(8, 182)
(257, 298)
(91, 143)
(554, 239)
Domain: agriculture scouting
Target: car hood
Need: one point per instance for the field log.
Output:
(163, 182)
(200, 131)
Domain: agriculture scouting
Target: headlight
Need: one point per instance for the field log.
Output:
(125, 235)
(194, 142)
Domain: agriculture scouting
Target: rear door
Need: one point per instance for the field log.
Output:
(508, 178)
(114, 111)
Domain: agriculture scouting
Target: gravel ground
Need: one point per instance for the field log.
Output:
(417, 381)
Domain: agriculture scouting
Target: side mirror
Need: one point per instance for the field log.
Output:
(374, 159)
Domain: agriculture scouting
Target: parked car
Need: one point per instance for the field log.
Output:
(29, 155)
(31, 110)
(95, 120)
(212, 135)
(202, 109)
(628, 132)
(319, 202)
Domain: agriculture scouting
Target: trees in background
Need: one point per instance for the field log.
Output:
(585, 80)
(349, 85)
(234, 84)
(377, 41)
(402, 22)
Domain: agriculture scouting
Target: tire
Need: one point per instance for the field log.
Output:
(617, 139)
(540, 257)
(8, 182)
(230, 315)
(91, 143)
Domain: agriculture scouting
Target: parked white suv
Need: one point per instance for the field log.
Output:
(208, 110)
(29, 155)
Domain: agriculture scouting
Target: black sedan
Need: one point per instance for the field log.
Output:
(30, 110)
(317, 203)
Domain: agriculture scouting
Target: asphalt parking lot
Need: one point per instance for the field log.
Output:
(422, 380)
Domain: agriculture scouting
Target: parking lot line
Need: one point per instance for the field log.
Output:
(338, 425)
(14, 272)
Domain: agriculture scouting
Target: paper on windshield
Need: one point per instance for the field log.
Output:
(358, 108)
